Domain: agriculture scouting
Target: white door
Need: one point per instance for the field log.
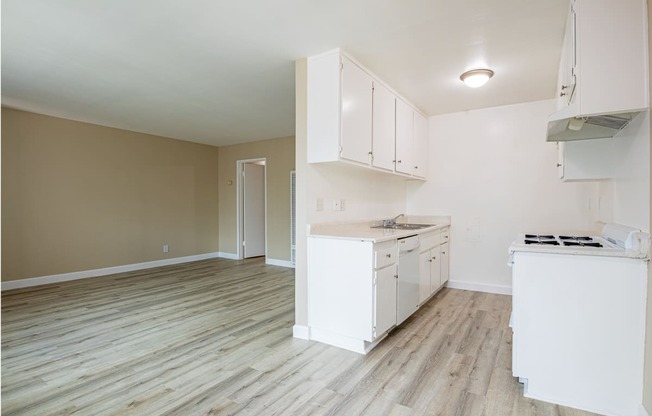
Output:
(253, 210)
(356, 113)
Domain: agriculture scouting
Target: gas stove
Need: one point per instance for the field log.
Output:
(615, 240)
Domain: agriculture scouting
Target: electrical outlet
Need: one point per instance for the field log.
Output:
(166, 248)
(319, 204)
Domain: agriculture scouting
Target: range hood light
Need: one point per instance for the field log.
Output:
(576, 123)
(476, 77)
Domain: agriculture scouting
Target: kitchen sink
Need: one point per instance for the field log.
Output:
(404, 226)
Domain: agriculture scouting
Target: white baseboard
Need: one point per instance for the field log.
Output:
(276, 262)
(230, 256)
(480, 287)
(337, 340)
(64, 277)
(642, 411)
(301, 332)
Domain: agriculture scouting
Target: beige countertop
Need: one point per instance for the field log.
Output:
(361, 230)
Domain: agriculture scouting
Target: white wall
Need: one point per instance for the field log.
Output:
(626, 198)
(494, 173)
(367, 194)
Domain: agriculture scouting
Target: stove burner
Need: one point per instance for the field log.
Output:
(544, 237)
(567, 237)
(582, 244)
(546, 242)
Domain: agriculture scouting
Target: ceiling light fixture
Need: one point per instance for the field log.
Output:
(476, 77)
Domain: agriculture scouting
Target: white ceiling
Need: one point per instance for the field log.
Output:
(222, 72)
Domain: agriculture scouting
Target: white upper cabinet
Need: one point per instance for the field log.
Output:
(357, 88)
(566, 77)
(404, 138)
(384, 127)
(604, 57)
(354, 118)
(411, 141)
(420, 145)
(584, 160)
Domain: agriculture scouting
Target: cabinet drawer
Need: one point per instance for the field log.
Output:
(385, 254)
(445, 235)
(430, 240)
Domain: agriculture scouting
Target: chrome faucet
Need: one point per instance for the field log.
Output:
(392, 221)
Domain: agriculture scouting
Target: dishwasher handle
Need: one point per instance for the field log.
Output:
(408, 244)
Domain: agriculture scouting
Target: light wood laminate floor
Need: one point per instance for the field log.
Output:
(215, 337)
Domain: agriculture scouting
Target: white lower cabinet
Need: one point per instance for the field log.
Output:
(433, 263)
(353, 287)
(444, 262)
(384, 300)
(352, 291)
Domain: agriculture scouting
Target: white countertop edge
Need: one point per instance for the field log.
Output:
(361, 230)
(577, 251)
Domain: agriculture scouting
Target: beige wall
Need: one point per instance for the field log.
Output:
(647, 382)
(280, 162)
(78, 196)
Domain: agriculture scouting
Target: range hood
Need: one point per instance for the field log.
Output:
(565, 126)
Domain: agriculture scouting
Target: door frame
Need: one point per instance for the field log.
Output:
(240, 203)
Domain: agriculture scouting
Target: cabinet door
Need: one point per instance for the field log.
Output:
(420, 145)
(424, 276)
(444, 263)
(566, 79)
(586, 159)
(435, 269)
(404, 137)
(384, 300)
(384, 127)
(356, 113)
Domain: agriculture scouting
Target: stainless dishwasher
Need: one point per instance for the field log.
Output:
(407, 297)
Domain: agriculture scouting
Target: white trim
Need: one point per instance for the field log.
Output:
(230, 256)
(342, 341)
(480, 287)
(301, 332)
(642, 411)
(64, 277)
(277, 262)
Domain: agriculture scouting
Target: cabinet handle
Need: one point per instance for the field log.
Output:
(443, 252)
(558, 165)
(434, 258)
(370, 153)
(562, 94)
(389, 256)
(416, 167)
(563, 87)
(430, 260)
(398, 161)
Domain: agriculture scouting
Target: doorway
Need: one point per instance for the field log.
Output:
(252, 208)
